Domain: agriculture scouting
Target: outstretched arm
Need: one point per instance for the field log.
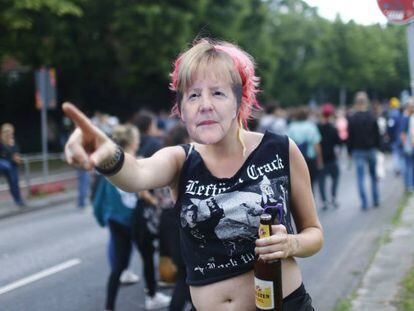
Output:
(89, 147)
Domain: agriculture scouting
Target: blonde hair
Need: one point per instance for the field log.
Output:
(201, 59)
(123, 134)
(6, 128)
(225, 60)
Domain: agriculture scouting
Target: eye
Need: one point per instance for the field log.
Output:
(193, 96)
(218, 93)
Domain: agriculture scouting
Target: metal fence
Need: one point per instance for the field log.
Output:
(31, 177)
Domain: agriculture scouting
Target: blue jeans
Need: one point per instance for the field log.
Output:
(362, 158)
(329, 169)
(409, 172)
(397, 156)
(11, 172)
(84, 179)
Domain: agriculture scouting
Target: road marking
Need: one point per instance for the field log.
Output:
(40, 275)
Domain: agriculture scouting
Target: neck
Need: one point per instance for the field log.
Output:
(230, 145)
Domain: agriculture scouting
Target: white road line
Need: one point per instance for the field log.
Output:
(40, 275)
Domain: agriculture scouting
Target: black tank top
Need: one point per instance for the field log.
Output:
(219, 217)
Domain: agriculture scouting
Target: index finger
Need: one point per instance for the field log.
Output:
(77, 116)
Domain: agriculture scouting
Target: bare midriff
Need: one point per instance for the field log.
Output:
(238, 293)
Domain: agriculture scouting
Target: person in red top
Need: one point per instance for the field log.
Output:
(330, 139)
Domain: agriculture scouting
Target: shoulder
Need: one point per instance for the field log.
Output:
(174, 153)
(254, 138)
(294, 152)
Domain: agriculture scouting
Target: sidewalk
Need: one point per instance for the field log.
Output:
(34, 202)
(381, 283)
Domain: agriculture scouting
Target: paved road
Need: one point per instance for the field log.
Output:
(33, 242)
(351, 238)
(70, 242)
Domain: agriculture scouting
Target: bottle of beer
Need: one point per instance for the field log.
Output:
(268, 275)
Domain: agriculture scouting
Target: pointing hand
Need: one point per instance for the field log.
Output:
(87, 146)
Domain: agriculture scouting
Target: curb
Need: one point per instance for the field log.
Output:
(39, 203)
(381, 283)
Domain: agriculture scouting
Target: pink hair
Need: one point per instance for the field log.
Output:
(243, 64)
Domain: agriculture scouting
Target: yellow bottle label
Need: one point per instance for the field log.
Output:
(264, 294)
(264, 231)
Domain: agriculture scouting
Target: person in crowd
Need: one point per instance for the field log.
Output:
(10, 159)
(274, 119)
(330, 139)
(407, 140)
(106, 123)
(146, 219)
(341, 124)
(216, 89)
(114, 207)
(84, 181)
(379, 114)
(169, 230)
(363, 144)
(394, 133)
(147, 125)
(305, 134)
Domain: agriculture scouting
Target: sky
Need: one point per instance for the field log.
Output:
(363, 12)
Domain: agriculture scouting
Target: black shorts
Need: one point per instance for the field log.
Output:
(298, 300)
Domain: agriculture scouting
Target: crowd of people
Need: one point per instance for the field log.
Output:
(366, 131)
(143, 219)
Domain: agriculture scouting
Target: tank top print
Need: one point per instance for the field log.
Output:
(219, 217)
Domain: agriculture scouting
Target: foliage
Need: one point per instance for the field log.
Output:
(116, 55)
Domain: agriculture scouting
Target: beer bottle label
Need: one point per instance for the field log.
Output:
(264, 294)
(264, 231)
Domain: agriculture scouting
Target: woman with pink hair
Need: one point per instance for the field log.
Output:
(218, 175)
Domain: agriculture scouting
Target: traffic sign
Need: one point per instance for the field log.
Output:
(397, 11)
(45, 93)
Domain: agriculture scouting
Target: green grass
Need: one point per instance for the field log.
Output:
(345, 304)
(405, 300)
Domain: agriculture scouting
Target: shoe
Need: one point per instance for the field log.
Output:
(324, 206)
(128, 277)
(335, 203)
(159, 301)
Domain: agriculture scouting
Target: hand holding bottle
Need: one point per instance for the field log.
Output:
(278, 245)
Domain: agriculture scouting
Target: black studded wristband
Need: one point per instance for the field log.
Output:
(113, 166)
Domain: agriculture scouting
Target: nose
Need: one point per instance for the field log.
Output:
(205, 103)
